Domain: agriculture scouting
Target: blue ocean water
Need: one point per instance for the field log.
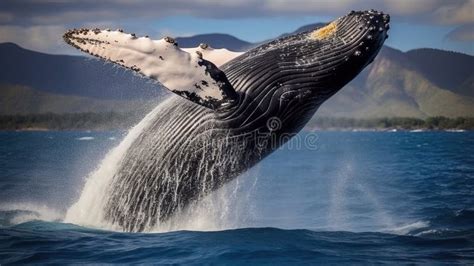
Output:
(360, 197)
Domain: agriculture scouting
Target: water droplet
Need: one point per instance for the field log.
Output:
(357, 53)
(367, 48)
(380, 29)
(370, 37)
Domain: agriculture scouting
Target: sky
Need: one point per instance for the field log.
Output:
(39, 24)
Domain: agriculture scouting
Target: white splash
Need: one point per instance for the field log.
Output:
(222, 209)
(89, 209)
(229, 207)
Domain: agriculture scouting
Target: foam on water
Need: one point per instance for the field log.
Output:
(407, 228)
(85, 138)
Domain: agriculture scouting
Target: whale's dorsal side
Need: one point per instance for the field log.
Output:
(188, 74)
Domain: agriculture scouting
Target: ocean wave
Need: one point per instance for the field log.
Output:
(18, 213)
(245, 245)
(408, 228)
(455, 219)
(450, 223)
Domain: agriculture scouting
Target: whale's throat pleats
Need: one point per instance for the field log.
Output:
(287, 78)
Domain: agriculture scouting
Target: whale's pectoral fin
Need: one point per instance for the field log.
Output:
(186, 74)
(216, 56)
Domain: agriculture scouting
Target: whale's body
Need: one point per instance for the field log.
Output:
(189, 150)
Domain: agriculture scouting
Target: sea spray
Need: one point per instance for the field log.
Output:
(350, 192)
(215, 211)
(89, 209)
(229, 207)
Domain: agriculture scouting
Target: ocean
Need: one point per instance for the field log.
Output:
(354, 197)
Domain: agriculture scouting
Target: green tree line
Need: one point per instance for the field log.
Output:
(404, 123)
(116, 120)
(69, 121)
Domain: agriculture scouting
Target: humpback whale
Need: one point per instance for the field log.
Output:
(229, 110)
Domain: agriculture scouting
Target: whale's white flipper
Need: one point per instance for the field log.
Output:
(216, 56)
(189, 75)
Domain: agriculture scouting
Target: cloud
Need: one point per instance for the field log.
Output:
(39, 24)
(48, 38)
(462, 34)
(41, 38)
(457, 14)
(69, 11)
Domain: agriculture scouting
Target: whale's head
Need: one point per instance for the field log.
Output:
(314, 64)
(337, 52)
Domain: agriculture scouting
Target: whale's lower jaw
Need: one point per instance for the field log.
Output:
(186, 153)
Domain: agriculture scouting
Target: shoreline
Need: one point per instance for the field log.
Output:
(342, 129)
(124, 121)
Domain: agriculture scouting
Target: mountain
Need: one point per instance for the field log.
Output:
(451, 70)
(18, 99)
(215, 40)
(393, 85)
(71, 75)
(219, 40)
(418, 83)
